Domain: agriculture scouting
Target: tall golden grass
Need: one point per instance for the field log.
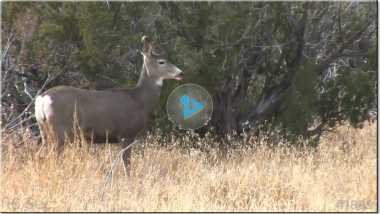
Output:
(261, 178)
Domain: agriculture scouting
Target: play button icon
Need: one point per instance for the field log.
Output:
(189, 106)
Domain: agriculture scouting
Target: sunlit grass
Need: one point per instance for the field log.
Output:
(261, 178)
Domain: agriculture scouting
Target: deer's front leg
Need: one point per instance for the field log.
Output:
(125, 142)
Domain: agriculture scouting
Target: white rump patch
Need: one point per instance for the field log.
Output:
(47, 100)
(39, 108)
(43, 106)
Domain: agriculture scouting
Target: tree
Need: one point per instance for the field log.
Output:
(303, 68)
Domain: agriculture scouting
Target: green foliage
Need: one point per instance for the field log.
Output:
(52, 30)
(348, 96)
(358, 97)
(98, 43)
(298, 115)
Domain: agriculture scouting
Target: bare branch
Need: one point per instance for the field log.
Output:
(352, 54)
(291, 18)
(332, 57)
(27, 76)
(354, 37)
(339, 22)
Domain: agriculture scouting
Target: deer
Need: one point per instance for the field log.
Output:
(118, 114)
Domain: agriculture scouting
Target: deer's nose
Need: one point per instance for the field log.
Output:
(179, 76)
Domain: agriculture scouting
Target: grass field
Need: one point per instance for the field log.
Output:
(249, 179)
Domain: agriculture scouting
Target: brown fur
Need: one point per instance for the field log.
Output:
(120, 114)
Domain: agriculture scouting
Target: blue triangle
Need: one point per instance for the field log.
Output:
(185, 100)
(196, 104)
(190, 112)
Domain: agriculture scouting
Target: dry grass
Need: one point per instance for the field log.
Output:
(260, 179)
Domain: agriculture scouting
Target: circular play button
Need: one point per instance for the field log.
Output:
(189, 106)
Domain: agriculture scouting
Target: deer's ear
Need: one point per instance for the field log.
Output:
(146, 46)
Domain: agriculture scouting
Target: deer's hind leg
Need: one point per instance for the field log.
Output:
(53, 136)
(44, 131)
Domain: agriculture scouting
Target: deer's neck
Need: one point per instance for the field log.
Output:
(150, 89)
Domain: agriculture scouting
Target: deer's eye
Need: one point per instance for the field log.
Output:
(161, 62)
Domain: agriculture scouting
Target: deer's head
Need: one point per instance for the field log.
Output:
(158, 67)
